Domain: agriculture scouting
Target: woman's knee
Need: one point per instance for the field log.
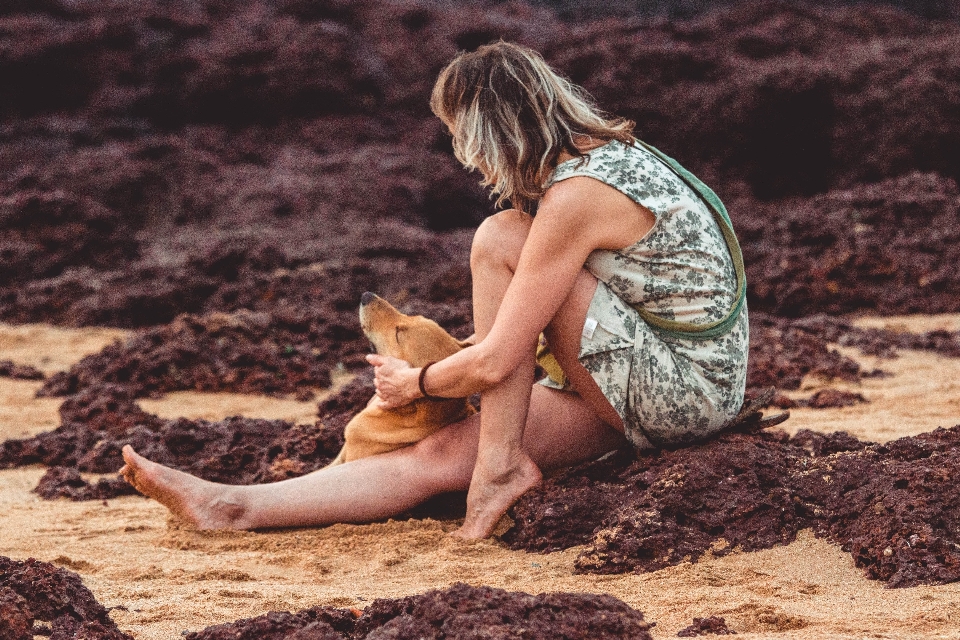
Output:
(500, 238)
(449, 455)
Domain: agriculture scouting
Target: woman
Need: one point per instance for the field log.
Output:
(621, 268)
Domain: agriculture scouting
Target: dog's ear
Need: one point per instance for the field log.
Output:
(466, 342)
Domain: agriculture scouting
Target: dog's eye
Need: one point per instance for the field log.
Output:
(398, 334)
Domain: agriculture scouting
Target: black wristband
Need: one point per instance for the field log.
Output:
(423, 372)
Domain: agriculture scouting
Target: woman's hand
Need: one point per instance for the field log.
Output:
(396, 381)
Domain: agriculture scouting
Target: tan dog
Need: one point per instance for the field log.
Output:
(419, 341)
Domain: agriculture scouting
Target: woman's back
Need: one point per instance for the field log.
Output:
(681, 269)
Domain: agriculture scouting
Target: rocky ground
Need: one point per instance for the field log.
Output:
(226, 179)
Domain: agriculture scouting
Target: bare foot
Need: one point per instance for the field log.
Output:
(203, 504)
(493, 489)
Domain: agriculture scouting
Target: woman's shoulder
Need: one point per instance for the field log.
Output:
(592, 154)
(619, 164)
(614, 156)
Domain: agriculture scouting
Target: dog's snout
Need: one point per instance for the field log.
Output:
(367, 297)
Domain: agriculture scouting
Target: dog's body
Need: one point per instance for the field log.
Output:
(419, 341)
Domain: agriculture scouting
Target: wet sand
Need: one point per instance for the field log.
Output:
(130, 553)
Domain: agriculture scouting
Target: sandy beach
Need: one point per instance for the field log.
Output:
(162, 578)
(203, 191)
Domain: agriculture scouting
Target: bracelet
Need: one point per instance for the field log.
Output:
(423, 372)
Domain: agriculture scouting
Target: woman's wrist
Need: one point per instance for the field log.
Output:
(421, 383)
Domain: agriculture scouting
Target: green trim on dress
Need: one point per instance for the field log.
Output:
(689, 330)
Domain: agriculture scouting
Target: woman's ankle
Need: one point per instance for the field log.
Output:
(227, 510)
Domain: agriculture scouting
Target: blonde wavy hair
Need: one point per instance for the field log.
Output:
(511, 116)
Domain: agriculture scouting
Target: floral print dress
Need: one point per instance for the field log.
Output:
(667, 390)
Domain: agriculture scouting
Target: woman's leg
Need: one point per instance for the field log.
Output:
(561, 431)
(518, 432)
(563, 335)
(504, 468)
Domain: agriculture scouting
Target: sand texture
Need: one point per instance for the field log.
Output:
(167, 578)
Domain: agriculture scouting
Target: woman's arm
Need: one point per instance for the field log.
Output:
(575, 217)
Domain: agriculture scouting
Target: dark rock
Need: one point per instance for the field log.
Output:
(834, 398)
(97, 423)
(32, 590)
(871, 247)
(65, 482)
(177, 156)
(242, 352)
(16, 620)
(782, 352)
(318, 623)
(9, 369)
(891, 506)
(108, 408)
(886, 343)
(714, 625)
(459, 611)
(337, 410)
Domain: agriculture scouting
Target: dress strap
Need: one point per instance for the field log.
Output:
(710, 330)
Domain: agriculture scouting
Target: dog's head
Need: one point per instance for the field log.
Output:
(415, 339)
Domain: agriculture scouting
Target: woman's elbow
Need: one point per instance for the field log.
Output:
(490, 373)
(494, 368)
